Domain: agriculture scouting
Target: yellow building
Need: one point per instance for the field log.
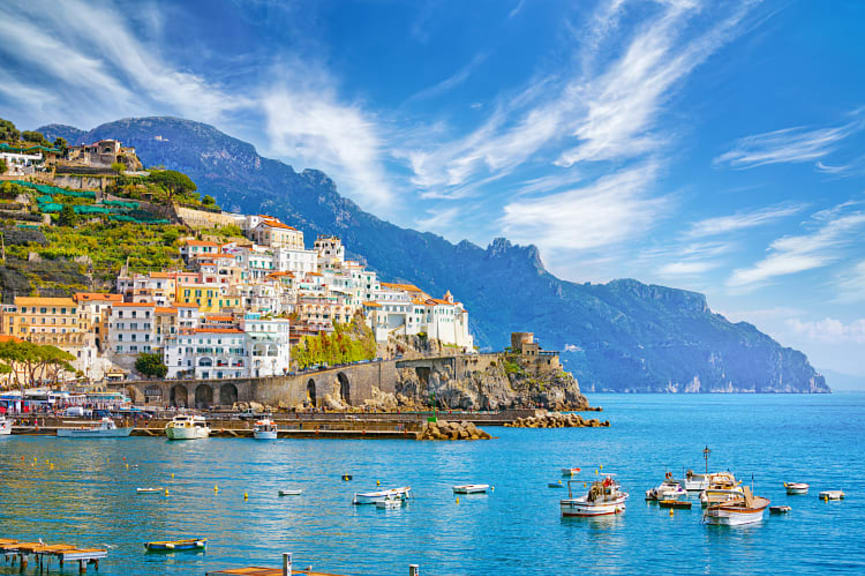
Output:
(46, 320)
(208, 297)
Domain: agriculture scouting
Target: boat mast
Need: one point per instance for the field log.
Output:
(706, 453)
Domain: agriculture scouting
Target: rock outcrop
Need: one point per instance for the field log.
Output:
(445, 430)
(557, 420)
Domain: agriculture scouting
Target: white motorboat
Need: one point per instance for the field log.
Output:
(745, 508)
(105, 429)
(471, 488)
(723, 487)
(603, 498)
(5, 426)
(265, 429)
(832, 495)
(694, 482)
(187, 427)
(148, 490)
(669, 489)
(380, 495)
(570, 471)
(389, 503)
(794, 488)
(290, 492)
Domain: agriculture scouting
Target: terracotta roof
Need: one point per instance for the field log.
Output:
(277, 224)
(201, 243)
(219, 318)
(135, 305)
(219, 330)
(94, 296)
(34, 300)
(163, 274)
(313, 274)
(371, 305)
(8, 338)
(184, 305)
(440, 302)
(404, 287)
(165, 310)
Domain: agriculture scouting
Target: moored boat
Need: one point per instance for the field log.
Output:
(603, 498)
(187, 427)
(723, 486)
(695, 482)
(570, 471)
(148, 490)
(105, 429)
(5, 426)
(380, 495)
(743, 509)
(391, 502)
(832, 495)
(265, 429)
(779, 509)
(471, 488)
(176, 545)
(683, 504)
(796, 488)
(669, 489)
(290, 492)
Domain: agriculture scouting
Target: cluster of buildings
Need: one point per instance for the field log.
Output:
(235, 308)
(27, 158)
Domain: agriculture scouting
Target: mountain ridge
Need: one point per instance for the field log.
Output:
(622, 336)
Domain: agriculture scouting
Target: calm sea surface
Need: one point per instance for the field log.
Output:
(89, 497)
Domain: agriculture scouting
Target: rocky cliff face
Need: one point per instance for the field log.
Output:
(620, 336)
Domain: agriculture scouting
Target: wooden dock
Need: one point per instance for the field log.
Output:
(43, 554)
(286, 570)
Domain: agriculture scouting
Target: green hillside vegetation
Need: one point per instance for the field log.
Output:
(347, 343)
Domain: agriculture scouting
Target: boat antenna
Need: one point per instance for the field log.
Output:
(706, 453)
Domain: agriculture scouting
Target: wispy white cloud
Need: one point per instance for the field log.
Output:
(830, 330)
(791, 145)
(456, 79)
(607, 211)
(742, 220)
(438, 219)
(516, 9)
(826, 244)
(851, 284)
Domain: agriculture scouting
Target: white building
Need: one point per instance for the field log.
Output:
(131, 328)
(207, 354)
(295, 260)
(268, 345)
(331, 252)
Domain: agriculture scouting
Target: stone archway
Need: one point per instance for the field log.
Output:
(344, 388)
(203, 396)
(179, 396)
(310, 391)
(227, 394)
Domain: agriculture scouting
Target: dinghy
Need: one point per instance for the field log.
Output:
(570, 471)
(794, 488)
(471, 489)
(374, 497)
(779, 509)
(148, 490)
(831, 495)
(389, 503)
(176, 545)
(290, 492)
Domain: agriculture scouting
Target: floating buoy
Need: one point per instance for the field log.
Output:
(166, 491)
(215, 488)
(172, 475)
(127, 466)
(378, 482)
(671, 511)
(245, 496)
(51, 466)
(458, 499)
(492, 488)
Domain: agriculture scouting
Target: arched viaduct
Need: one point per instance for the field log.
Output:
(351, 384)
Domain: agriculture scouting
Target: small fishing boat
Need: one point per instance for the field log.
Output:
(471, 489)
(105, 429)
(831, 495)
(290, 492)
(682, 504)
(603, 498)
(570, 471)
(389, 503)
(5, 426)
(796, 488)
(779, 509)
(744, 509)
(187, 427)
(176, 545)
(265, 429)
(380, 495)
(148, 490)
(723, 487)
(555, 484)
(695, 482)
(669, 489)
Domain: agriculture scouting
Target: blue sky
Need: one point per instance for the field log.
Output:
(703, 145)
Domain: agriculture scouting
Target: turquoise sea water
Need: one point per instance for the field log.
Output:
(89, 498)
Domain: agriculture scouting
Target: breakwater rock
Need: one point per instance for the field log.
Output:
(444, 430)
(557, 420)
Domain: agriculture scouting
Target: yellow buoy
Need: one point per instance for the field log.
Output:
(245, 496)
(601, 466)
(51, 466)
(671, 511)
(458, 499)
(378, 482)
(127, 466)
(493, 488)
(166, 491)
(172, 475)
(215, 488)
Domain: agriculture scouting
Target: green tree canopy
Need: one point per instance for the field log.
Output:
(30, 362)
(2, 166)
(67, 216)
(8, 131)
(174, 182)
(33, 136)
(151, 365)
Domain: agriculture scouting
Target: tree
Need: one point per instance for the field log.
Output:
(151, 365)
(67, 216)
(61, 144)
(118, 167)
(8, 132)
(29, 361)
(2, 166)
(208, 200)
(174, 182)
(33, 136)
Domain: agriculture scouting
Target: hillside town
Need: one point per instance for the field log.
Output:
(234, 307)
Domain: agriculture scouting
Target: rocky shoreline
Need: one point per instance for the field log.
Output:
(557, 420)
(457, 430)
